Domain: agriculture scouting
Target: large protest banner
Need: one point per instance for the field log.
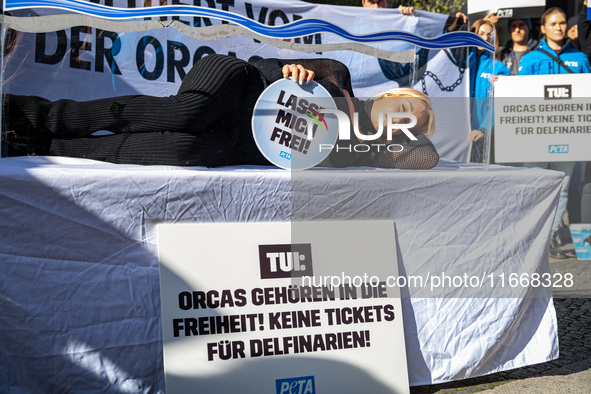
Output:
(542, 118)
(157, 60)
(281, 307)
(86, 62)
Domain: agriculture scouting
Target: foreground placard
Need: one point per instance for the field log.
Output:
(581, 235)
(542, 118)
(251, 308)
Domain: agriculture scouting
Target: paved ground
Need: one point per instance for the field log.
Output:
(571, 372)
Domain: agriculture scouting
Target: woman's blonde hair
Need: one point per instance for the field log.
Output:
(427, 128)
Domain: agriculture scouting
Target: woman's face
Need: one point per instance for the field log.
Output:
(485, 32)
(555, 28)
(401, 103)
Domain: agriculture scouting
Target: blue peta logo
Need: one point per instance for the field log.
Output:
(558, 149)
(285, 155)
(301, 385)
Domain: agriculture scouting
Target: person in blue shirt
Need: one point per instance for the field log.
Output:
(544, 60)
(484, 68)
(554, 41)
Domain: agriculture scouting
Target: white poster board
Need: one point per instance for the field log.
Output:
(542, 118)
(232, 319)
(506, 8)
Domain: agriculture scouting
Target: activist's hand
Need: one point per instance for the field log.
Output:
(492, 18)
(298, 73)
(475, 135)
(461, 19)
(404, 10)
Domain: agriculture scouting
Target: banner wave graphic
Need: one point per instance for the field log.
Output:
(299, 28)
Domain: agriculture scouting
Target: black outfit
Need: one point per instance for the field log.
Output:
(584, 27)
(207, 123)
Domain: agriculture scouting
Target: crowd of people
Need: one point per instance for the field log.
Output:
(559, 44)
(560, 40)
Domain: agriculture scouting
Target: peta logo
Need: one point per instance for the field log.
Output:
(506, 13)
(572, 64)
(557, 92)
(285, 260)
(558, 149)
(301, 385)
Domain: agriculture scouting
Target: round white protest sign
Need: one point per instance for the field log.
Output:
(289, 127)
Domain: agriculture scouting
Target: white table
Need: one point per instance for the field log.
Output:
(79, 290)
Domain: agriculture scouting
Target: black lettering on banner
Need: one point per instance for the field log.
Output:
(285, 260)
(206, 21)
(211, 299)
(277, 14)
(294, 319)
(218, 324)
(178, 18)
(225, 350)
(107, 54)
(309, 343)
(140, 58)
(172, 48)
(308, 39)
(60, 51)
(262, 14)
(77, 45)
(359, 315)
(226, 4)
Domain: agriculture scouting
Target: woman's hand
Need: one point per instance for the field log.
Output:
(406, 10)
(492, 18)
(461, 19)
(475, 135)
(298, 73)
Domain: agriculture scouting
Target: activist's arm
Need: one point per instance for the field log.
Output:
(420, 154)
(416, 155)
(323, 69)
(480, 119)
(459, 21)
(584, 27)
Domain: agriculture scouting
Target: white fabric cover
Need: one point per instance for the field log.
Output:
(79, 290)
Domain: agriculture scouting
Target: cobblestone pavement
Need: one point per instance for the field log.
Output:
(571, 372)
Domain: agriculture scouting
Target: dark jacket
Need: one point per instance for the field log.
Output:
(584, 31)
(507, 55)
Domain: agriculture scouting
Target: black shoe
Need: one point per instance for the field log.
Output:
(558, 254)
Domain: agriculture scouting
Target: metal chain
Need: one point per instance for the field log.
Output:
(450, 88)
